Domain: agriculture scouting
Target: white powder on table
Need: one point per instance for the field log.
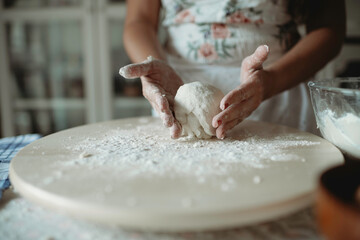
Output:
(147, 150)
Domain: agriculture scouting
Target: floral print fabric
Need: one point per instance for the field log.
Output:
(217, 31)
(209, 11)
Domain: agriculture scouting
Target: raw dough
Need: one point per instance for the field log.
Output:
(196, 104)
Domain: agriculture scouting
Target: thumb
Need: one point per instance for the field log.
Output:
(255, 61)
(136, 70)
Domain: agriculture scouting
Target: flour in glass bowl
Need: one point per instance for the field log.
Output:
(146, 149)
(342, 131)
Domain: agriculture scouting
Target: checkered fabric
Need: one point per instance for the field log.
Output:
(8, 149)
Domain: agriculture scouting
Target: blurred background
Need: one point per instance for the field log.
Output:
(59, 62)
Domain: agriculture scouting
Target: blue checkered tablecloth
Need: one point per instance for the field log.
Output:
(8, 148)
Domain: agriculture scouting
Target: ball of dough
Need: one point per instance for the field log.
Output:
(196, 104)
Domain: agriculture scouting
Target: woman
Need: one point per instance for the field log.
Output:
(213, 41)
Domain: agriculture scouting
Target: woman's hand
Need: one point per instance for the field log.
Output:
(242, 101)
(159, 85)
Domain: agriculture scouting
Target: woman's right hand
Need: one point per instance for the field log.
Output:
(159, 86)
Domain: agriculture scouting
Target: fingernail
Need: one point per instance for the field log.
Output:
(122, 71)
(267, 48)
(223, 107)
(222, 136)
(126, 72)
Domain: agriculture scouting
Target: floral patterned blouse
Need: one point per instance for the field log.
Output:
(225, 31)
(208, 39)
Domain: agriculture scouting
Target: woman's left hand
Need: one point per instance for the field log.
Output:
(242, 101)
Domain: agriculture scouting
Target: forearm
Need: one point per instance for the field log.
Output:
(307, 57)
(140, 41)
(326, 32)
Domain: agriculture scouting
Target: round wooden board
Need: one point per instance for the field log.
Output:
(174, 200)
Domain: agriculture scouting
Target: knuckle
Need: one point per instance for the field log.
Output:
(163, 101)
(152, 65)
(242, 94)
(240, 113)
(257, 57)
(246, 62)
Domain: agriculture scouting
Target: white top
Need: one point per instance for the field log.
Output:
(208, 39)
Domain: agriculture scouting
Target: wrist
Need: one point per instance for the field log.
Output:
(269, 84)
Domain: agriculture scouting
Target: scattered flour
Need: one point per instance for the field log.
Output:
(342, 131)
(257, 179)
(144, 151)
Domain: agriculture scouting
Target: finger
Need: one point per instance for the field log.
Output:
(245, 91)
(255, 61)
(175, 130)
(136, 70)
(237, 111)
(166, 119)
(159, 102)
(221, 131)
(164, 110)
(221, 117)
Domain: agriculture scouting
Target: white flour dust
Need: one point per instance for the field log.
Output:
(342, 131)
(148, 150)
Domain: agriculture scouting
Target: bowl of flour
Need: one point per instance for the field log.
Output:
(336, 104)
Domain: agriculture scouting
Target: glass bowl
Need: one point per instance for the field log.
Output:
(336, 104)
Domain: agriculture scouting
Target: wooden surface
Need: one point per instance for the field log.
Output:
(160, 202)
